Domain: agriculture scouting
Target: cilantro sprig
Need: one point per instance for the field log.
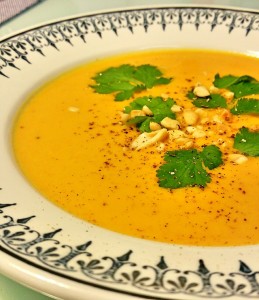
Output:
(245, 106)
(185, 168)
(230, 80)
(126, 80)
(160, 108)
(241, 86)
(212, 101)
(247, 142)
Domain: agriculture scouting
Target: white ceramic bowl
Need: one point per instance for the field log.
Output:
(51, 251)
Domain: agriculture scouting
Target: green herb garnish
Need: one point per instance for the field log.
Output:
(241, 86)
(226, 81)
(245, 106)
(247, 142)
(126, 80)
(188, 167)
(213, 101)
(211, 156)
(160, 109)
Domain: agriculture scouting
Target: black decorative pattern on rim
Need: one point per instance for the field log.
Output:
(19, 47)
(160, 279)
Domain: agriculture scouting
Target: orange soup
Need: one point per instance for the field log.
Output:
(74, 146)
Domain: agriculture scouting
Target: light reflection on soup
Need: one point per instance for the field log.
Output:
(70, 144)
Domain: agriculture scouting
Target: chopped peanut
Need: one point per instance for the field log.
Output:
(201, 91)
(228, 95)
(214, 90)
(175, 134)
(176, 108)
(154, 126)
(190, 117)
(170, 123)
(147, 139)
(198, 133)
(136, 113)
(237, 158)
(184, 142)
(190, 129)
(203, 115)
(147, 111)
(124, 117)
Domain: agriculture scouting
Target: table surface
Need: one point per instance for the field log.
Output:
(49, 10)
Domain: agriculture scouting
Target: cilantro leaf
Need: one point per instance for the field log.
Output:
(212, 157)
(142, 122)
(229, 80)
(247, 142)
(183, 168)
(187, 167)
(245, 106)
(150, 76)
(126, 80)
(241, 86)
(244, 89)
(160, 109)
(213, 101)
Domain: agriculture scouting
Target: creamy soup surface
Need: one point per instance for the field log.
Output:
(72, 146)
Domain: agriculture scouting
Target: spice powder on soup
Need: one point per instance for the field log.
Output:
(76, 146)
